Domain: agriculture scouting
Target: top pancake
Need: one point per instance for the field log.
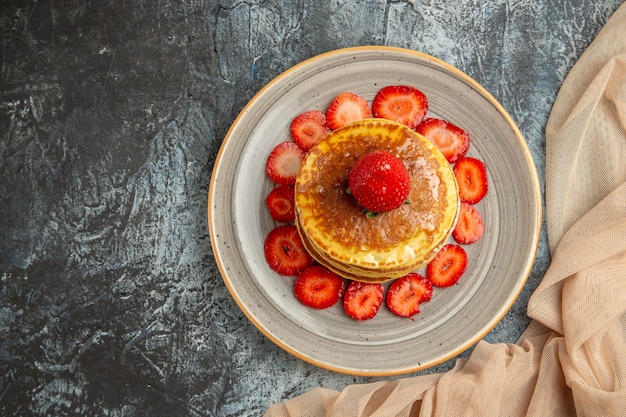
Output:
(391, 244)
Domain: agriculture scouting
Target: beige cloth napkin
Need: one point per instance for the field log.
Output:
(572, 358)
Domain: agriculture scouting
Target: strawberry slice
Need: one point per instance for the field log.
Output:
(471, 175)
(308, 128)
(379, 182)
(447, 266)
(318, 287)
(280, 203)
(363, 300)
(284, 251)
(283, 163)
(469, 228)
(451, 140)
(405, 294)
(347, 108)
(400, 103)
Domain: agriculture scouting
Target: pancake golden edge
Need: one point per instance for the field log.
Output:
(337, 233)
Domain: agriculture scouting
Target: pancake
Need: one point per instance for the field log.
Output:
(334, 228)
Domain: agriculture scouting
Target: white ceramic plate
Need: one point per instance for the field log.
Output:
(456, 317)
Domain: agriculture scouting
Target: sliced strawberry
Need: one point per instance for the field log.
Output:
(379, 182)
(471, 175)
(284, 162)
(284, 251)
(400, 103)
(362, 300)
(469, 228)
(405, 294)
(447, 266)
(318, 287)
(308, 128)
(280, 203)
(347, 108)
(451, 140)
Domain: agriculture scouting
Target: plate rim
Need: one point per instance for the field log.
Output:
(533, 174)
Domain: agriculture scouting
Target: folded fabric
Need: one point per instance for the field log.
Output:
(572, 358)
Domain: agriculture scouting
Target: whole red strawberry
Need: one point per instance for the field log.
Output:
(379, 182)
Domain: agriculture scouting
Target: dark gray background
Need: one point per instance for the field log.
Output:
(111, 116)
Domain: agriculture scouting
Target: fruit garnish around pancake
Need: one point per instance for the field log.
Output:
(379, 182)
(347, 108)
(400, 103)
(448, 266)
(308, 128)
(406, 294)
(317, 287)
(284, 252)
(283, 163)
(362, 300)
(450, 139)
(471, 176)
(280, 204)
(329, 240)
(469, 228)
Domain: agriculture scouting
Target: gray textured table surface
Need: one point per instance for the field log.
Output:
(112, 113)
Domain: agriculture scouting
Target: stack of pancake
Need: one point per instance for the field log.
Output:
(336, 231)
